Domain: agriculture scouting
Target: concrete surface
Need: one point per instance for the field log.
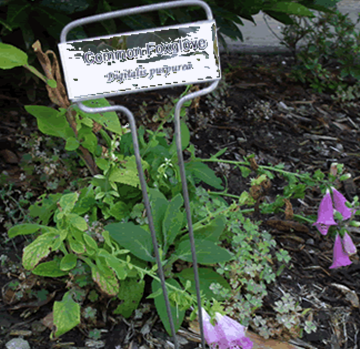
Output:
(258, 39)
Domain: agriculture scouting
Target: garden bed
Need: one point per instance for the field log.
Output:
(257, 109)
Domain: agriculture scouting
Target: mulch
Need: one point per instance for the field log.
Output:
(258, 110)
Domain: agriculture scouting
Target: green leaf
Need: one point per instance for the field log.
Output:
(102, 163)
(24, 229)
(69, 7)
(173, 221)
(114, 263)
(11, 57)
(109, 120)
(85, 202)
(245, 171)
(133, 238)
(218, 154)
(109, 24)
(66, 315)
(211, 231)
(72, 144)
(88, 139)
(290, 8)
(90, 242)
(185, 138)
(105, 279)
(177, 314)
(67, 202)
(18, 13)
(128, 173)
(68, 262)
(206, 251)
(202, 172)
(77, 221)
(45, 208)
(206, 278)
(77, 246)
(37, 250)
(119, 210)
(51, 121)
(159, 204)
(49, 269)
(52, 83)
(130, 294)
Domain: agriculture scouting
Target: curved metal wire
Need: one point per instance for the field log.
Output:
(186, 194)
(132, 123)
(133, 11)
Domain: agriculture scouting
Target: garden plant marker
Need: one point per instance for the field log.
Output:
(140, 61)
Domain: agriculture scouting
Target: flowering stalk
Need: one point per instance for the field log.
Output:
(343, 247)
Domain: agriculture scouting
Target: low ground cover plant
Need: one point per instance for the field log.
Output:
(327, 53)
(98, 234)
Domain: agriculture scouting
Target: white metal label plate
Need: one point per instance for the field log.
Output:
(139, 61)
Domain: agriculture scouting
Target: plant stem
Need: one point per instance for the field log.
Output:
(231, 162)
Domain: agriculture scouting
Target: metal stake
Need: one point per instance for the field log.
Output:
(131, 119)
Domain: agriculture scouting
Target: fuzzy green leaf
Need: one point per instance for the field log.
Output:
(105, 279)
(130, 293)
(202, 172)
(49, 269)
(51, 121)
(68, 262)
(133, 238)
(159, 204)
(109, 120)
(24, 229)
(127, 173)
(66, 315)
(37, 250)
(177, 314)
(206, 251)
(173, 221)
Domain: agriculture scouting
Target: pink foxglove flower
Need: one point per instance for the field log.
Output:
(226, 334)
(211, 334)
(325, 214)
(340, 258)
(339, 202)
(348, 244)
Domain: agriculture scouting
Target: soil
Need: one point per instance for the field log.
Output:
(258, 110)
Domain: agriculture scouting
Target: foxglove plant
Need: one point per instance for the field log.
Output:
(343, 247)
(340, 258)
(325, 214)
(226, 334)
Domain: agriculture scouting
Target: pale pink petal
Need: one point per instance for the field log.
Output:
(232, 333)
(325, 214)
(339, 203)
(340, 258)
(348, 244)
(210, 332)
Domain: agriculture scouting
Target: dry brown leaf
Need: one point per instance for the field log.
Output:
(254, 166)
(289, 213)
(285, 225)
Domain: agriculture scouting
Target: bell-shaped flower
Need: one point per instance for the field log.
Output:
(232, 334)
(226, 334)
(348, 244)
(325, 214)
(211, 334)
(339, 203)
(340, 257)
